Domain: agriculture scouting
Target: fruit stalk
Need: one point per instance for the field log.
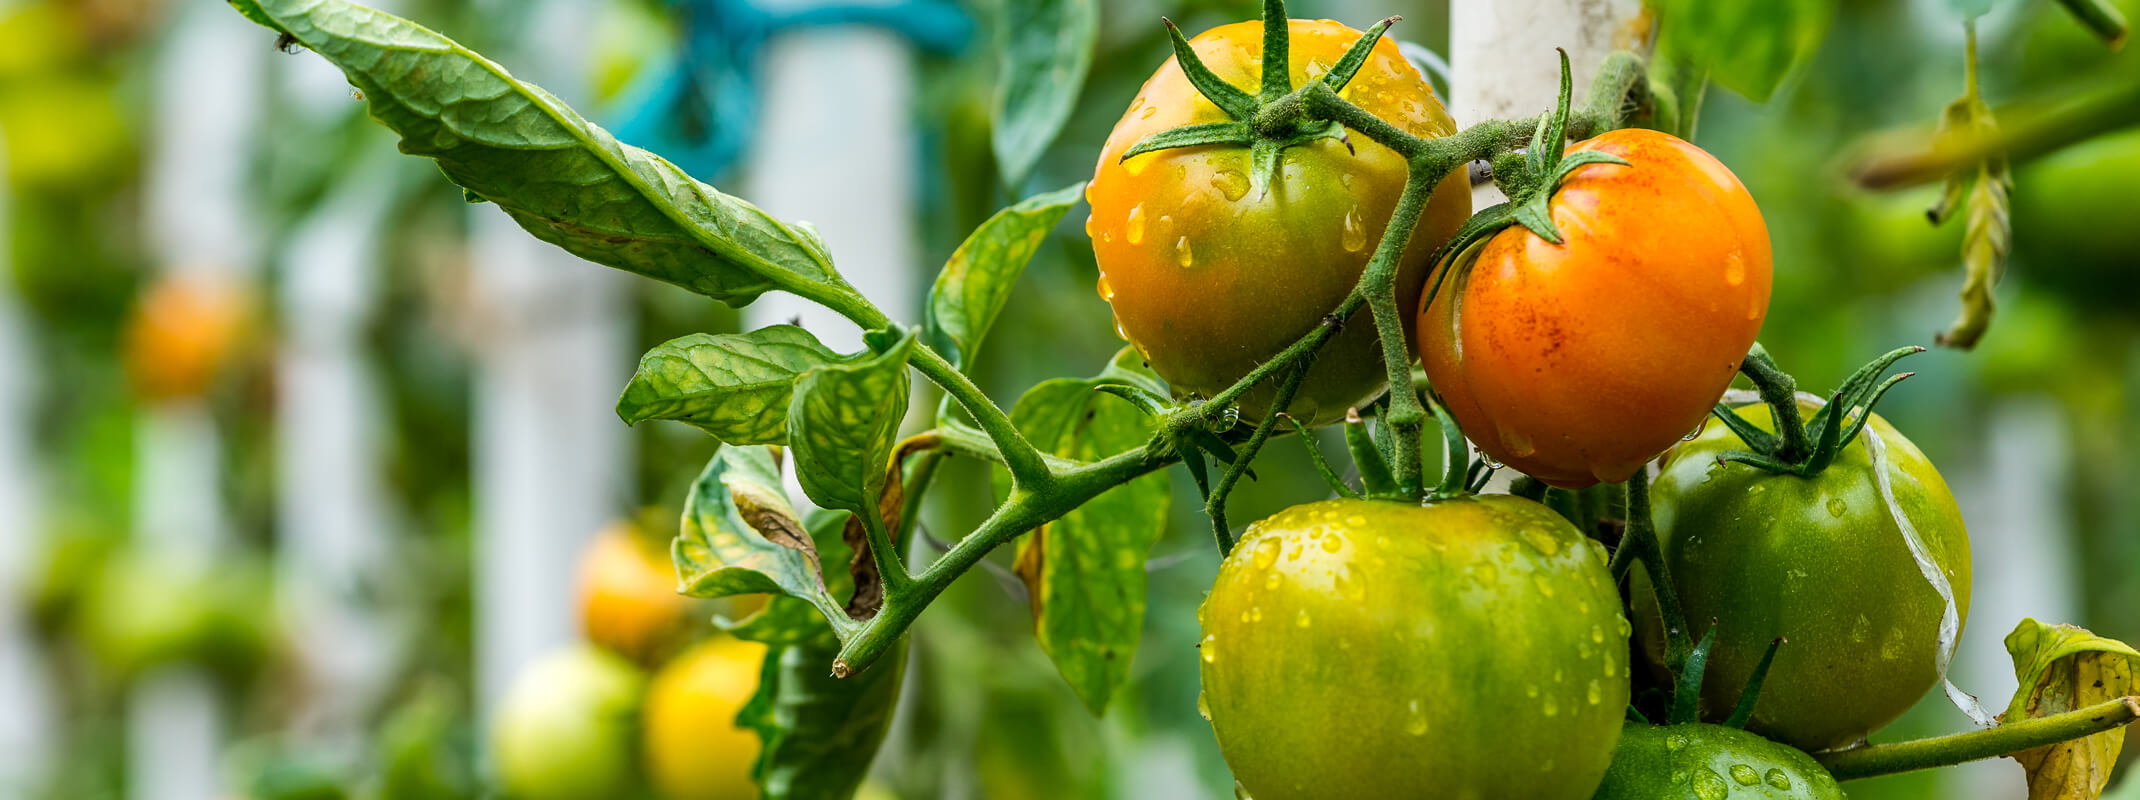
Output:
(2000, 740)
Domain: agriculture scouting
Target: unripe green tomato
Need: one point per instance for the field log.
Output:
(141, 612)
(1697, 761)
(568, 726)
(1820, 561)
(1460, 650)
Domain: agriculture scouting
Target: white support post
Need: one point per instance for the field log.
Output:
(29, 730)
(1494, 75)
(551, 460)
(207, 84)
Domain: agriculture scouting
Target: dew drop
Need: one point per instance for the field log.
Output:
(1519, 445)
(1710, 786)
(1354, 236)
(1333, 543)
(1545, 587)
(1597, 693)
(1597, 634)
(1610, 666)
(1271, 581)
(1416, 724)
(1836, 507)
(1148, 112)
(1255, 614)
(1356, 521)
(1745, 775)
(1531, 691)
(1230, 182)
(1210, 648)
(1121, 332)
(1734, 269)
(1203, 707)
(1107, 290)
(1183, 254)
(1302, 618)
(1675, 742)
(1488, 459)
(1861, 630)
(1541, 539)
(1779, 780)
(1244, 617)
(1696, 433)
(1266, 554)
(1351, 589)
(1552, 708)
(1133, 230)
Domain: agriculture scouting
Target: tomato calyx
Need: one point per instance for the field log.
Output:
(1273, 120)
(1804, 448)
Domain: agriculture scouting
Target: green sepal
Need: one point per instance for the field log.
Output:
(1229, 98)
(1830, 429)
(1754, 437)
(1375, 478)
(1342, 73)
(1751, 695)
(1322, 465)
(1687, 693)
(1277, 52)
(1209, 133)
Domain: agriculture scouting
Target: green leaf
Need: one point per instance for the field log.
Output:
(1749, 47)
(741, 536)
(1047, 49)
(2063, 668)
(1085, 571)
(843, 422)
(788, 620)
(734, 386)
(564, 179)
(1987, 240)
(977, 281)
(819, 733)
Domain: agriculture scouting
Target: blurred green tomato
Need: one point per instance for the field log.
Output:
(566, 727)
(139, 613)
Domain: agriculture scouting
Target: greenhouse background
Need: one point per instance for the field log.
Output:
(253, 357)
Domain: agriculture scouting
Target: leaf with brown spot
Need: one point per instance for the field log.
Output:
(2063, 668)
(869, 585)
(741, 536)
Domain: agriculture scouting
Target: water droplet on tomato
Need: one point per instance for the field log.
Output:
(1745, 775)
(1182, 254)
(1488, 459)
(1107, 291)
(1779, 780)
(1734, 268)
(1531, 691)
(1148, 112)
(1203, 707)
(1542, 540)
(1266, 553)
(1416, 723)
(1552, 708)
(1255, 613)
(1545, 587)
(1333, 543)
(1120, 331)
(1271, 581)
(1133, 230)
(1210, 648)
(1597, 693)
(1230, 182)
(1597, 634)
(1354, 236)
(1836, 507)
(1673, 743)
(1300, 619)
(1710, 786)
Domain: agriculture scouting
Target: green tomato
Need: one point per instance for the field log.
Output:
(1463, 649)
(1696, 761)
(567, 726)
(140, 612)
(1820, 561)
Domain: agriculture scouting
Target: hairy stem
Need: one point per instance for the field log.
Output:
(1027, 467)
(2000, 740)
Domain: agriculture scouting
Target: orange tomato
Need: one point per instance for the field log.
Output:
(628, 599)
(1579, 362)
(1209, 278)
(182, 333)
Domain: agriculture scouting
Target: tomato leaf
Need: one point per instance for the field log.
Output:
(740, 536)
(564, 179)
(842, 424)
(735, 387)
(2062, 668)
(1748, 47)
(1047, 49)
(1085, 572)
(977, 281)
(819, 733)
(788, 620)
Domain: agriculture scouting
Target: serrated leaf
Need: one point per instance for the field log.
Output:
(843, 422)
(1085, 572)
(735, 387)
(741, 536)
(819, 733)
(977, 281)
(564, 179)
(2063, 668)
(1047, 49)
(1747, 47)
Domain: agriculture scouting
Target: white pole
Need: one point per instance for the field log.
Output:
(30, 727)
(209, 91)
(551, 460)
(1501, 59)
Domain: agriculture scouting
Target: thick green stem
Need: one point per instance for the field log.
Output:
(1025, 510)
(1027, 467)
(2000, 740)
(1640, 545)
(1215, 505)
(1780, 391)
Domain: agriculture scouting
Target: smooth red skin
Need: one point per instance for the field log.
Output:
(1579, 362)
(1264, 269)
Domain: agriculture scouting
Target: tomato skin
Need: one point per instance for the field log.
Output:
(1697, 760)
(628, 599)
(694, 749)
(1817, 560)
(1577, 363)
(1209, 279)
(564, 729)
(1443, 639)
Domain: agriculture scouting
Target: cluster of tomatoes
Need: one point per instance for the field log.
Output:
(1480, 646)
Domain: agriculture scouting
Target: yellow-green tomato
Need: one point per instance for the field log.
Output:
(1210, 275)
(1697, 761)
(567, 726)
(1822, 561)
(1467, 649)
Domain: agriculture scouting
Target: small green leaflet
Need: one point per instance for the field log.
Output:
(1085, 571)
(564, 179)
(740, 536)
(1749, 47)
(843, 422)
(2063, 668)
(977, 281)
(1047, 49)
(736, 387)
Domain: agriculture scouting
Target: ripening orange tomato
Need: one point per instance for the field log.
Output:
(184, 330)
(1209, 278)
(1579, 362)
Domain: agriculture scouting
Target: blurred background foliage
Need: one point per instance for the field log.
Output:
(984, 714)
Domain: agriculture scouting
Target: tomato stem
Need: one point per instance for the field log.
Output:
(1215, 503)
(1640, 545)
(2000, 740)
(1027, 467)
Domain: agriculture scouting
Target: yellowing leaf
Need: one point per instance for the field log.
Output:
(2062, 668)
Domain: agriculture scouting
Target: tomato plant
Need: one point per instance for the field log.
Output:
(1824, 561)
(1213, 268)
(1553, 355)
(1421, 627)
